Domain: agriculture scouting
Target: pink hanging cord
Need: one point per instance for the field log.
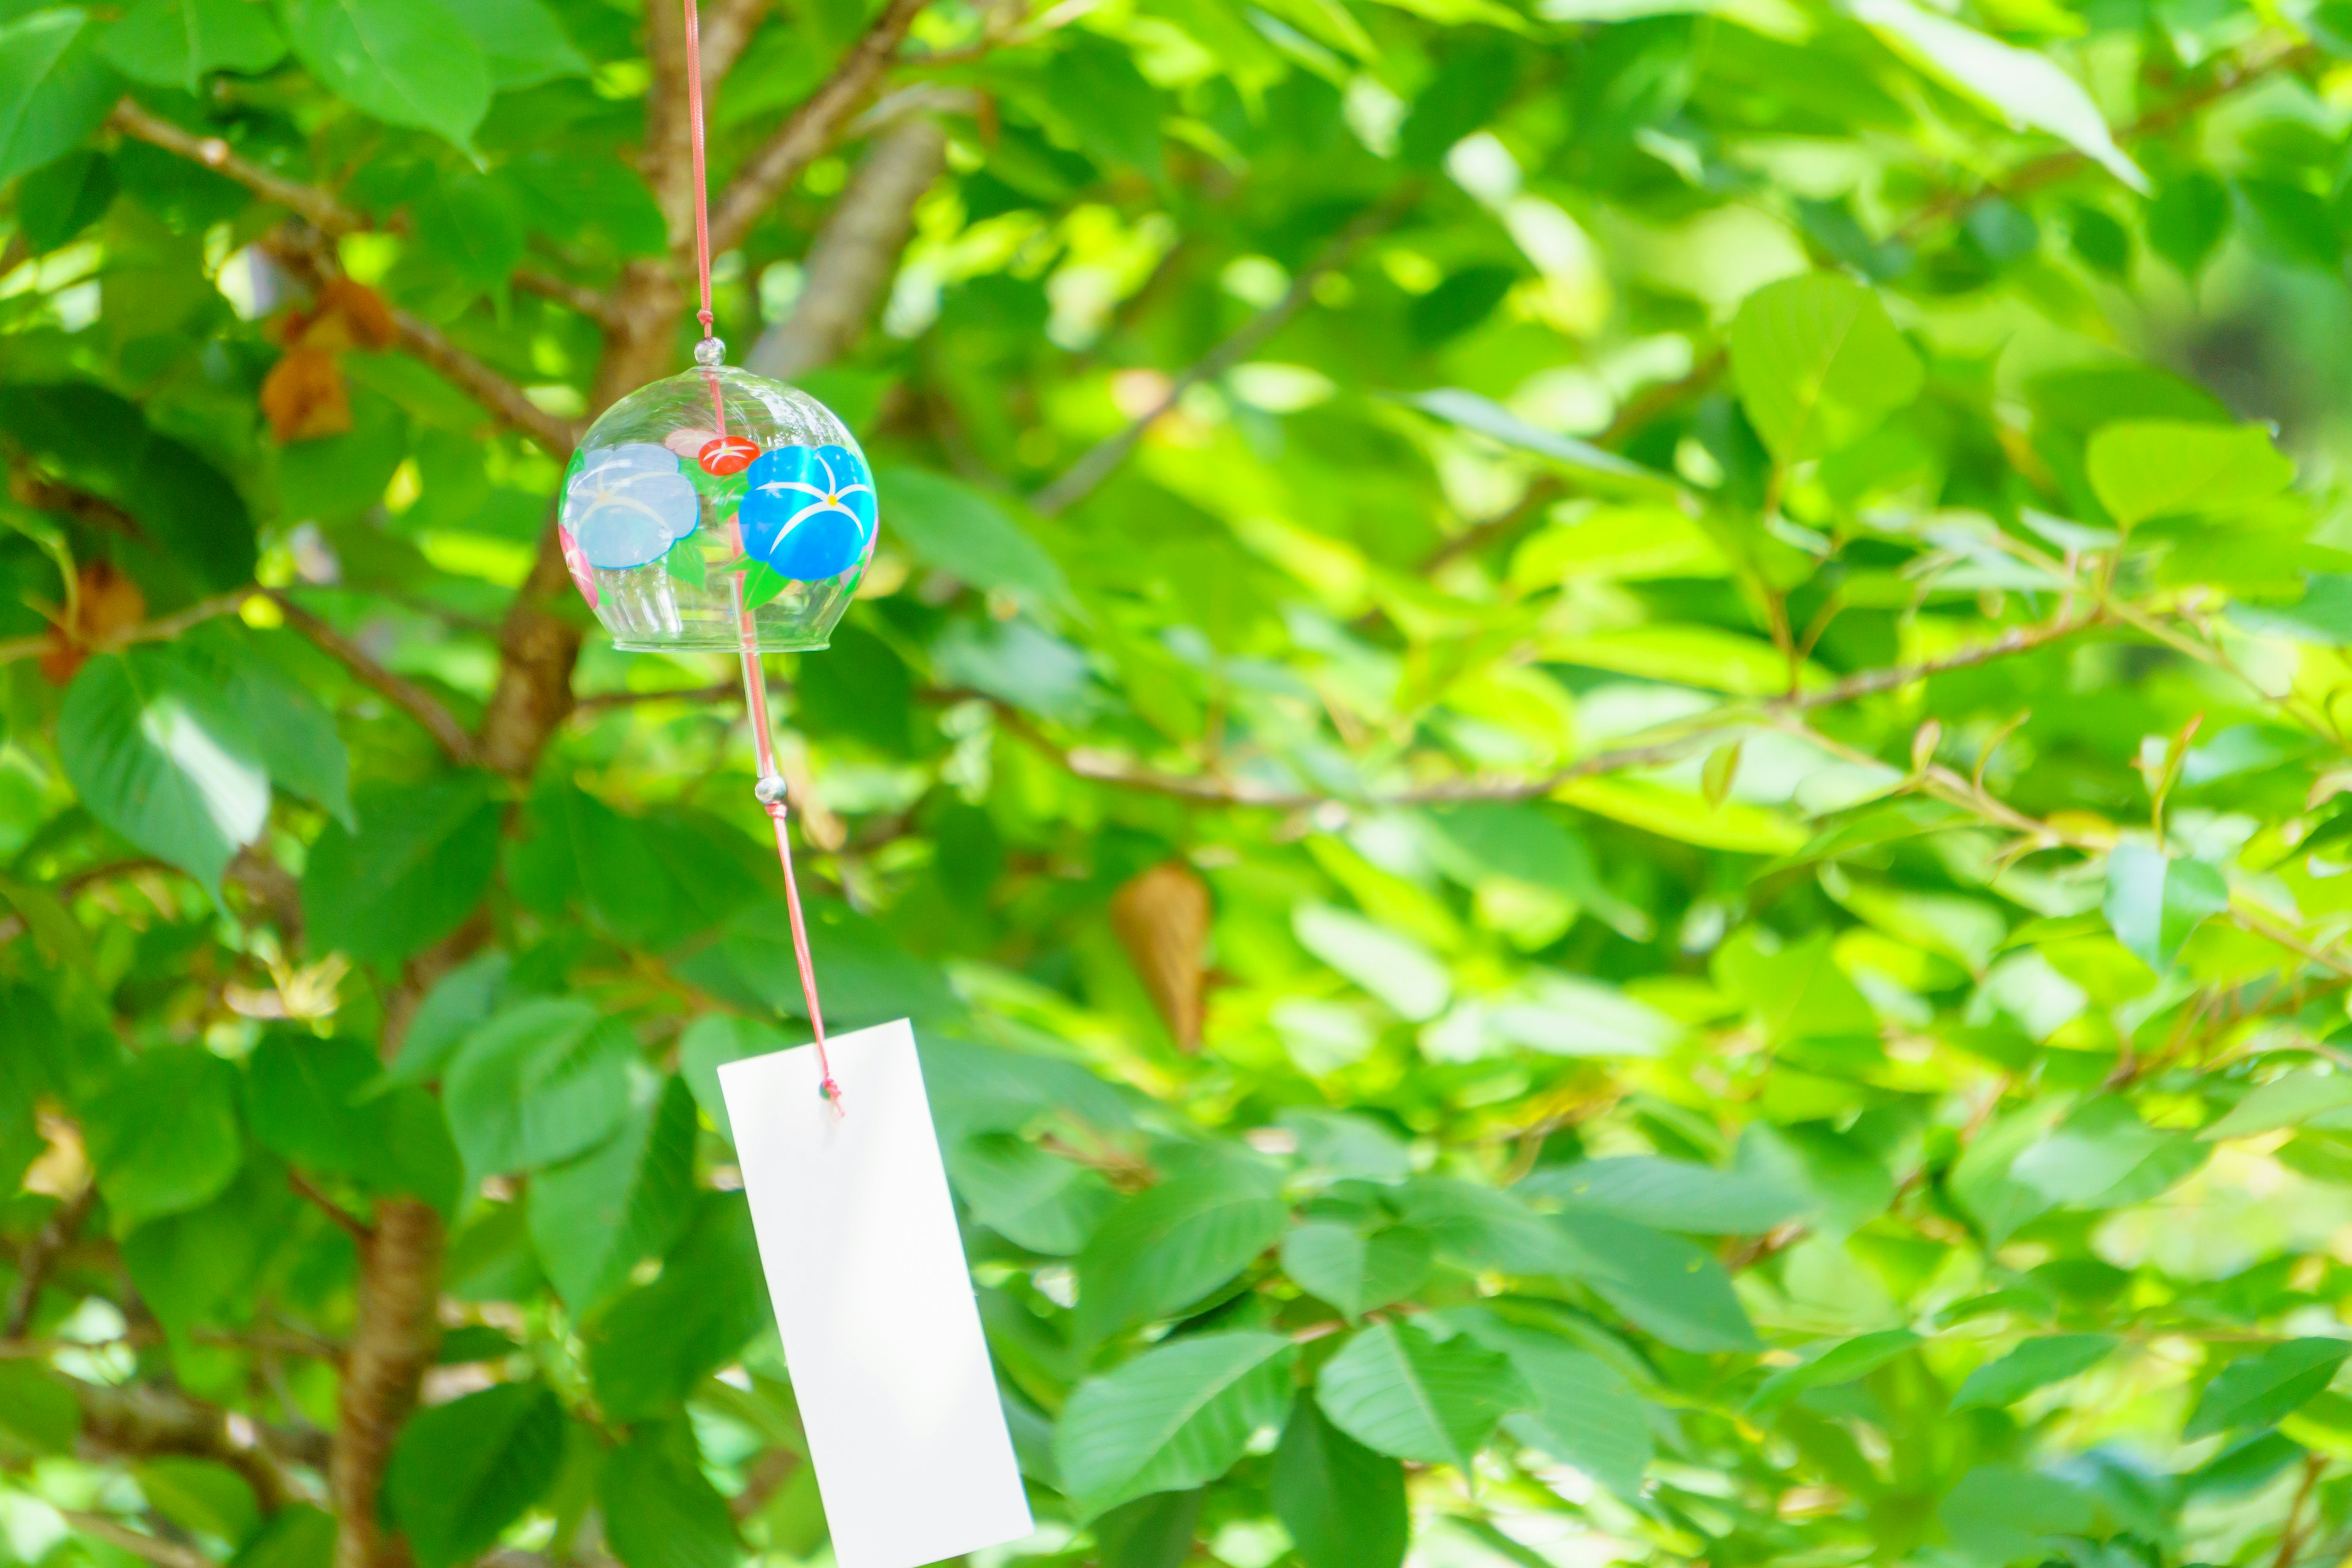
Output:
(771, 787)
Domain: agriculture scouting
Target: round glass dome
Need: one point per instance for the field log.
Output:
(714, 503)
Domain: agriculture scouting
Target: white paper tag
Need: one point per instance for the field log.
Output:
(857, 1236)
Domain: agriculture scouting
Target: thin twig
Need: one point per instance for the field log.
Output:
(1081, 478)
(403, 693)
(40, 1255)
(137, 1542)
(349, 1224)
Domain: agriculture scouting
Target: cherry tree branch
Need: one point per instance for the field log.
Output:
(401, 692)
(812, 128)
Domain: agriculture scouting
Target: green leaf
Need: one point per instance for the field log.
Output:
(59, 199)
(415, 867)
(1665, 1284)
(1031, 1198)
(1392, 967)
(54, 87)
(2260, 1389)
(709, 1043)
(296, 1536)
(1997, 1515)
(469, 223)
(1154, 1531)
(464, 1471)
(1606, 469)
(2288, 1101)
(200, 1495)
(537, 1084)
(405, 62)
(970, 535)
(522, 42)
(293, 734)
(157, 754)
(2034, 1363)
(2026, 88)
(1585, 1414)
(2187, 220)
(2149, 469)
(38, 1413)
(1166, 1249)
(2155, 903)
(1343, 1504)
(1818, 362)
(1841, 1362)
(178, 43)
(1395, 1388)
(1797, 992)
(594, 1216)
(649, 1348)
(191, 1268)
(1671, 1195)
(163, 1136)
(459, 1002)
(1176, 1416)
(660, 1510)
(1353, 1272)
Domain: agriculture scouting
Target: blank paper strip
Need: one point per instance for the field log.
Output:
(858, 1238)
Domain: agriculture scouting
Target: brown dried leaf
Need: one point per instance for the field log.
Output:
(107, 605)
(365, 315)
(304, 396)
(1161, 918)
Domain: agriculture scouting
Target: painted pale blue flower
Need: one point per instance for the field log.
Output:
(628, 504)
(809, 512)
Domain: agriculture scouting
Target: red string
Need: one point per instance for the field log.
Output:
(755, 687)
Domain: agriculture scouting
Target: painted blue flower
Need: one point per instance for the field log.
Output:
(628, 504)
(809, 512)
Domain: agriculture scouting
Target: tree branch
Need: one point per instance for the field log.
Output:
(401, 692)
(137, 1542)
(810, 128)
(138, 1420)
(855, 253)
(1079, 479)
(40, 1255)
(1101, 767)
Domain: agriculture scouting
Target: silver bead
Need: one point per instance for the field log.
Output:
(710, 353)
(769, 791)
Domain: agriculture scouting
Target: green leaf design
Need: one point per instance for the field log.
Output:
(1395, 1388)
(405, 62)
(1176, 1416)
(1343, 1504)
(465, 1470)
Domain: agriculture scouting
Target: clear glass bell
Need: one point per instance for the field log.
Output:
(713, 502)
